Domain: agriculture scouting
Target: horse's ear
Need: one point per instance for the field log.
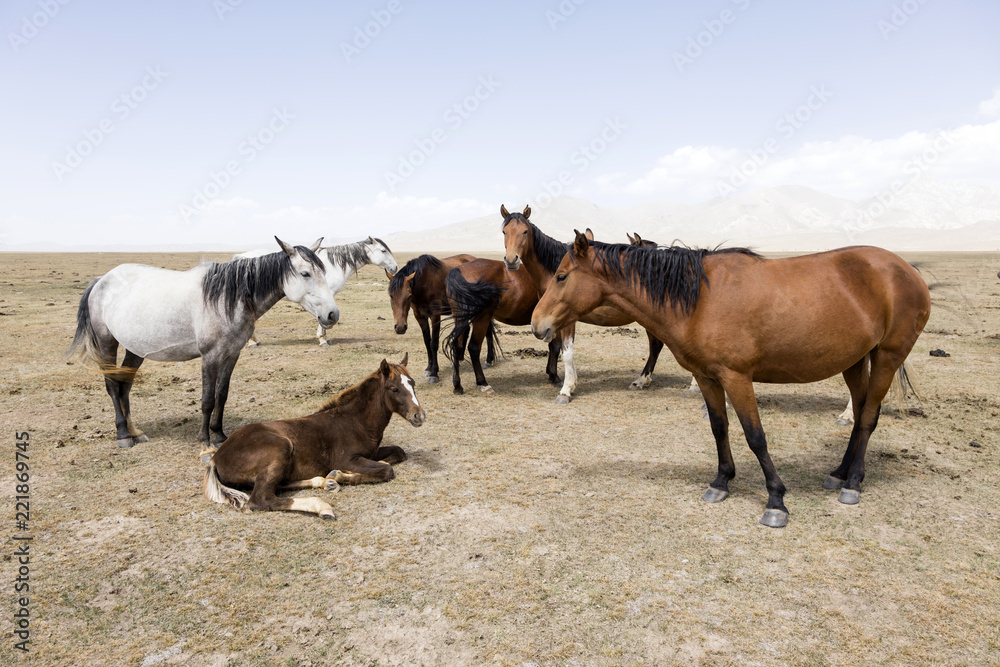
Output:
(289, 250)
(527, 212)
(580, 244)
(503, 212)
(406, 358)
(388, 275)
(638, 239)
(316, 244)
(370, 241)
(589, 234)
(384, 368)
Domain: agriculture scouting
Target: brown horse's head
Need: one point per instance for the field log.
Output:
(400, 300)
(639, 241)
(399, 391)
(517, 237)
(573, 292)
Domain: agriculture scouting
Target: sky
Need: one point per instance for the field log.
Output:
(209, 122)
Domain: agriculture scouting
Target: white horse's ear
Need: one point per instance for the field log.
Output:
(289, 250)
(527, 212)
(370, 241)
(589, 234)
(316, 245)
(406, 358)
(503, 212)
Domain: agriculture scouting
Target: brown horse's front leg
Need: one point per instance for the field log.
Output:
(390, 454)
(740, 390)
(363, 471)
(715, 401)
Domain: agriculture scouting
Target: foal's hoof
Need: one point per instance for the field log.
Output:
(327, 514)
(714, 495)
(832, 482)
(849, 496)
(126, 442)
(775, 518)
(433, 379)
(331, 482)
(562, 399)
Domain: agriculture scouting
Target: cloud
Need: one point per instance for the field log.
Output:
(991, 107)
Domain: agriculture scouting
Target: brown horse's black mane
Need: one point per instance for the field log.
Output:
(414, 266)
(673, 273)
(548, 251)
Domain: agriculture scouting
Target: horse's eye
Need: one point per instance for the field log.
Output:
(305, 274)
(561, 277)
(395, 390)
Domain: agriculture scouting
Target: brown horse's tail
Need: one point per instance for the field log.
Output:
(84, 346)
(469, 301)
(218, 492)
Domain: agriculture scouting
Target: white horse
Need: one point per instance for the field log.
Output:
(342, 262)
(208, 311)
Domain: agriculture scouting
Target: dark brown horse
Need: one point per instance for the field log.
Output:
(419, 285)
(734, 318)
(479, 292)
(340, 444)
(540, 254)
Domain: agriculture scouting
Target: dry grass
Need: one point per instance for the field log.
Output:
(519, 531)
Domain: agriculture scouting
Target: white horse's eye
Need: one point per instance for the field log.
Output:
(305, 274)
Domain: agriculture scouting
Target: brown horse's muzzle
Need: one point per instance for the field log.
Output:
(417, 418)
(512, 264)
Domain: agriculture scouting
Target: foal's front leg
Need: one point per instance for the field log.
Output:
(364, 471)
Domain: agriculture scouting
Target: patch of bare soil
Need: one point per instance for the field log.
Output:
(519, 532)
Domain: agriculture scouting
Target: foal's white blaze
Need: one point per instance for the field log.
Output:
(408, 383)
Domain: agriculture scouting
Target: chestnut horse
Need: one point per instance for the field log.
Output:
(733, 318)
(479, 292)
(340, 444)
(540, 254)
(419, 285)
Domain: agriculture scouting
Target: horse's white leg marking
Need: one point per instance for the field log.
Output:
(569, 382)
(642, 381)
(314, 505)
(314, 483)
(847, 416)
(321, 335)
(694, 385)
(136, 434)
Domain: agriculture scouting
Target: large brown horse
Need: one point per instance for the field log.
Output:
(479, 292)
(540, 254)
(340, 444)
(733, 318)
(419, 285)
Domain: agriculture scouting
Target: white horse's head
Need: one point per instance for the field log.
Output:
(306, 283)
(379, 255)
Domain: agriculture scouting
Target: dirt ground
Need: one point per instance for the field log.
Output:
(519, 532)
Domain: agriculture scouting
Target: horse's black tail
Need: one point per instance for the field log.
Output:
(469, 300)
(84, 346)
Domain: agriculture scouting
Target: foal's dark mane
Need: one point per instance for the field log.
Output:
(364, 388)
(414, 266)
(247, 281)
(351, 254)
(673, 273)
(548, 251)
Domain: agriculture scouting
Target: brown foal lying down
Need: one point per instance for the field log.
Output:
(340, 444)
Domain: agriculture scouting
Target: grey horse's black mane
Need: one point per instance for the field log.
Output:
(248, 281)
(670, 273)
(548, 251)
(352, 255)
(414, 266)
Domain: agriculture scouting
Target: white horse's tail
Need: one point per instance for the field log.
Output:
(84, 346)
(218, 492)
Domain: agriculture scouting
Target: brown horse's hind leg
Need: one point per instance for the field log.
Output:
(741, 394)
(715, 401)
(263, 498)
(477, 333)
(856, 378)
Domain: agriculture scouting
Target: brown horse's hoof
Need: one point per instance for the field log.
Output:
(849, 496)
(832, 482)
(562, 399)
(775, 518)
(433, 379)
(487, 390)
(206, 454)
(142, 437)
(458, 391)
(714, 495)
(126, 442)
